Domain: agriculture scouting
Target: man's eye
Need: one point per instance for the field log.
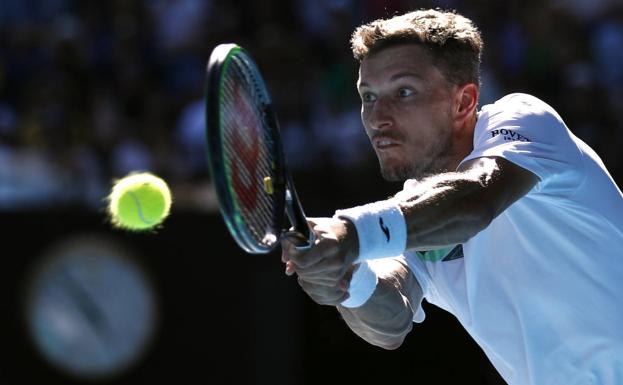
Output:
(405, 92)
(368, 97)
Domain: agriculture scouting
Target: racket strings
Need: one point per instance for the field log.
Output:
(248, 147)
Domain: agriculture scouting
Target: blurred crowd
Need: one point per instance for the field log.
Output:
(91, 90)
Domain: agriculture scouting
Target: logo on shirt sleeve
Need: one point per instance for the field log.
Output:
(509, 135)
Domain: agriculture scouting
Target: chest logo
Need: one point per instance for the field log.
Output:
(444, 255)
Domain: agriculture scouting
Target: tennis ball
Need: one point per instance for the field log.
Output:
(139, 201)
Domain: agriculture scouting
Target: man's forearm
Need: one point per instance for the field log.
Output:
(449, 208)
(386, 318)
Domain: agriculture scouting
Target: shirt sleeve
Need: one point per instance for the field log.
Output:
(529, 133)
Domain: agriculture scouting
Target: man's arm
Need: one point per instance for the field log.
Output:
(442, 210)
(387, 317)
(451, 208)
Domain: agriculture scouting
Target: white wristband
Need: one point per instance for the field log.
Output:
(381, 229)
(362, 285)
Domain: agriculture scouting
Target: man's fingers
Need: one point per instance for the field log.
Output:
(325, 250)
(323, 270)
(290, 268)
(312, 222)
(294, 238)
(330, 267)
(323, 281)
(324, 295)
(290, 241)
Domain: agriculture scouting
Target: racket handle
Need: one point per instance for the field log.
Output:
(297, 218)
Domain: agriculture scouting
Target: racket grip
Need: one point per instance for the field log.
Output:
(297, 218)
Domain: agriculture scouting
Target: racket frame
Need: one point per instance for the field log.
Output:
(286, 199)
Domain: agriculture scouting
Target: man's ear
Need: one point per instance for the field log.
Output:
(465, 102)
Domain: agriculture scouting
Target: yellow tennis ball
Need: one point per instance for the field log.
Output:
(139, 202)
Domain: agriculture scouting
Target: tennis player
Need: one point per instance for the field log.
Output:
(506, 220)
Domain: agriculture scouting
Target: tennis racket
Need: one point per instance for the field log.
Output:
(245, 154)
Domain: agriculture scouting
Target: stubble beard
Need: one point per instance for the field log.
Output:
(437, 158)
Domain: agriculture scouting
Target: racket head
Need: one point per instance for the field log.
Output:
(245, 154)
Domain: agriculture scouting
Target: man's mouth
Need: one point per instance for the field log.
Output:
(383, 143)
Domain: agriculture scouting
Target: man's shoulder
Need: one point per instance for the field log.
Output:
(517, 102)
(519, 97)
(520, 109)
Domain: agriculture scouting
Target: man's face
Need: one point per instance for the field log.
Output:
(406, 111)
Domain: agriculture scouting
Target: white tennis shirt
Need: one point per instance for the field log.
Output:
(541, 288)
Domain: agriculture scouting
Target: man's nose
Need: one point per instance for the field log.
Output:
(380, 117)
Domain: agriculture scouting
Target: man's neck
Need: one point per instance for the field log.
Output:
(464, 142)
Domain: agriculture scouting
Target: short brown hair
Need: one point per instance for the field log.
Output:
(453, 41)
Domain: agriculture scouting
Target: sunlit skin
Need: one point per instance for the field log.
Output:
(416, 120)
(420, 125)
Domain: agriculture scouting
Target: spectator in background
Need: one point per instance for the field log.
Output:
(94, 89)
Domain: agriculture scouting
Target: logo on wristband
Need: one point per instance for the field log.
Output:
(384, 228)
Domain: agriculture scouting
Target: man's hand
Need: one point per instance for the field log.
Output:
(325, 269)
